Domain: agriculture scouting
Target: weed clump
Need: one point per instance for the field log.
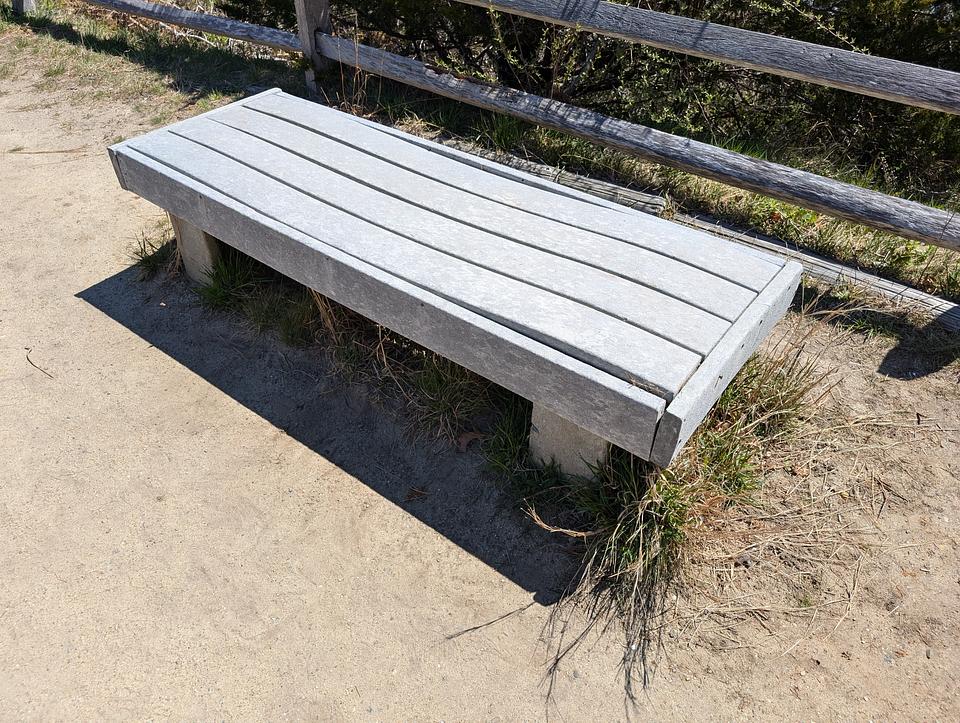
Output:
(155, 253)
(635, 521)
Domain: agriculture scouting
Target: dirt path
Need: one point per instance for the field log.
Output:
(198, 522)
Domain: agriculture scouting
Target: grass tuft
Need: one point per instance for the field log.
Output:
(634, 519)
(444, 395)
(237, 283)
(502, 132)
(155, 252)
(298, 319)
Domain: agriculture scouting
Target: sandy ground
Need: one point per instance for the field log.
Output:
(196, 522)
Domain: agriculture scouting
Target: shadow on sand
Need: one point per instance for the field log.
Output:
(297, 392)
(921, 347)
(921, 351)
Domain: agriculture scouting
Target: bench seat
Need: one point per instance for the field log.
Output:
(626, 325)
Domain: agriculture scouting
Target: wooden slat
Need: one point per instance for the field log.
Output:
(619, 195)
(369, 138)
(894, 80)
(593, 399)
(494, 168)
(580, 331)
(650, 310)
(700, 250)
(843, 200)
(927, 306)
(614, 196)
(205, 22)
(590, 251)
(688, 409)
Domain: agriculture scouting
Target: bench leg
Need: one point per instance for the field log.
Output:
(554, 438)
(198, 249)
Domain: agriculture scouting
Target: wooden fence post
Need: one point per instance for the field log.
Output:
(312, 15)
(21, 7)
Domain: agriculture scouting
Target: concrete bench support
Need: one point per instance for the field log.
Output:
(573, 448)
(198, 249)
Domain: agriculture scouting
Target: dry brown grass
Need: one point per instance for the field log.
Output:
(769, 514)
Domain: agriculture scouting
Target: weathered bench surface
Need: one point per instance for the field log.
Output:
(628, 325)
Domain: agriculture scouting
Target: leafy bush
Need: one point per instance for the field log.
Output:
(273, 13)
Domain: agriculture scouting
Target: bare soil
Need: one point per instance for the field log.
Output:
(196, 521)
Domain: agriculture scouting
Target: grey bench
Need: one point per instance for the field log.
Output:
(620, 327)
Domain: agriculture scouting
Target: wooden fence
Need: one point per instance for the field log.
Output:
(892, 80)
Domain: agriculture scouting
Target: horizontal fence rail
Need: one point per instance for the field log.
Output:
(205, 22)
(843, 200)
(907, 83)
